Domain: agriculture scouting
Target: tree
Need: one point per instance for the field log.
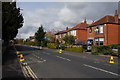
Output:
(50, 37)
(39, 35)
(12, 20)
(69, 39)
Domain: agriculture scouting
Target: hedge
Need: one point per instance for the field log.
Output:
(74, 48)
(106, 50)
(31, 43)
(52, 45)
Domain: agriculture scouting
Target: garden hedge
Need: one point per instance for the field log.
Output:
(102, 49)
(74, 48)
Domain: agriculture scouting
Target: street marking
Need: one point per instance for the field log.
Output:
(68, 59)
(31, 73)
(107, 64)
(96, 62)
(63, 58)
(101, 70)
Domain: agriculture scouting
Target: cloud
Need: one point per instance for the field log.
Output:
(58, 18)
(66, 15)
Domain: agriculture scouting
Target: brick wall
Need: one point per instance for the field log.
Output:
(81, 35)
(113, 36)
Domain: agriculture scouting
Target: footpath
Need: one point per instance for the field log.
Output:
(11, 68)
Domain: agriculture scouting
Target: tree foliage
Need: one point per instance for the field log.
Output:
(12, 20)
(39, 35)
(69, 39)
(50, 37)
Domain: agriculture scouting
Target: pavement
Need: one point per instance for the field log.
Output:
(11, 68)
(49, 64)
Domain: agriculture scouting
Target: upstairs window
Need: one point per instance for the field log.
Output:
(99, 29)
(90, 30)
(56, 36)
(60, 35)
(73, 32)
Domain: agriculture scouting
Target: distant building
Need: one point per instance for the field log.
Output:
(32, 38)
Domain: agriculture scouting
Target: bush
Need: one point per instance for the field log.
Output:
(95, 50)
(62, 46)
(114, 45)
(114, 48)
(52, 45)
(106, 50)
(74, 48)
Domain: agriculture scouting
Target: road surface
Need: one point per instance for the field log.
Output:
(49, 63)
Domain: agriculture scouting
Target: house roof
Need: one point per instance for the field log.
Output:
(105, 20)
(80, 26)
(61, 32)
(76, 27)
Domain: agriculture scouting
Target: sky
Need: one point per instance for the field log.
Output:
(56, 16)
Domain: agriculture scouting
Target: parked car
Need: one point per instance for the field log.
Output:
(87, 47)
(115, 51)
(89, 44)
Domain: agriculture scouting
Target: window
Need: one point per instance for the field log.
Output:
(64, 34)
(99, 29)
(96, 41)
(60, 35)
(56, 36)
(68, 33)
(90, 30)
(73, 32)
(99, 41)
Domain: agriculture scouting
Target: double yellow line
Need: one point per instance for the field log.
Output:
(27, 70)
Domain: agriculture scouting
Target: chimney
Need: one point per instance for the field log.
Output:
(85, 21)
(116, 16)
(66, 28)
(92, 22)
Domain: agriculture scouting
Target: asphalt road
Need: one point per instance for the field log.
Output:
(49, 63)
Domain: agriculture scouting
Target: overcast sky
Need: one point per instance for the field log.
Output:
(59, 15)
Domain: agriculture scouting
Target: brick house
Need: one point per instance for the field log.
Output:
(105, 30)
(79, 31)
(60, 34)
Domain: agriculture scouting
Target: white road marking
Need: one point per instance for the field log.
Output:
(96, 62)
(101, 70)
(43, 60)
(107, 64)
(63, 58)
(68, 59)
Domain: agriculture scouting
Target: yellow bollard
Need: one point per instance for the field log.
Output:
(22, 59)
(18, 52)
(40, 47)
(111, 60)
(60, 51)
(21, 56)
